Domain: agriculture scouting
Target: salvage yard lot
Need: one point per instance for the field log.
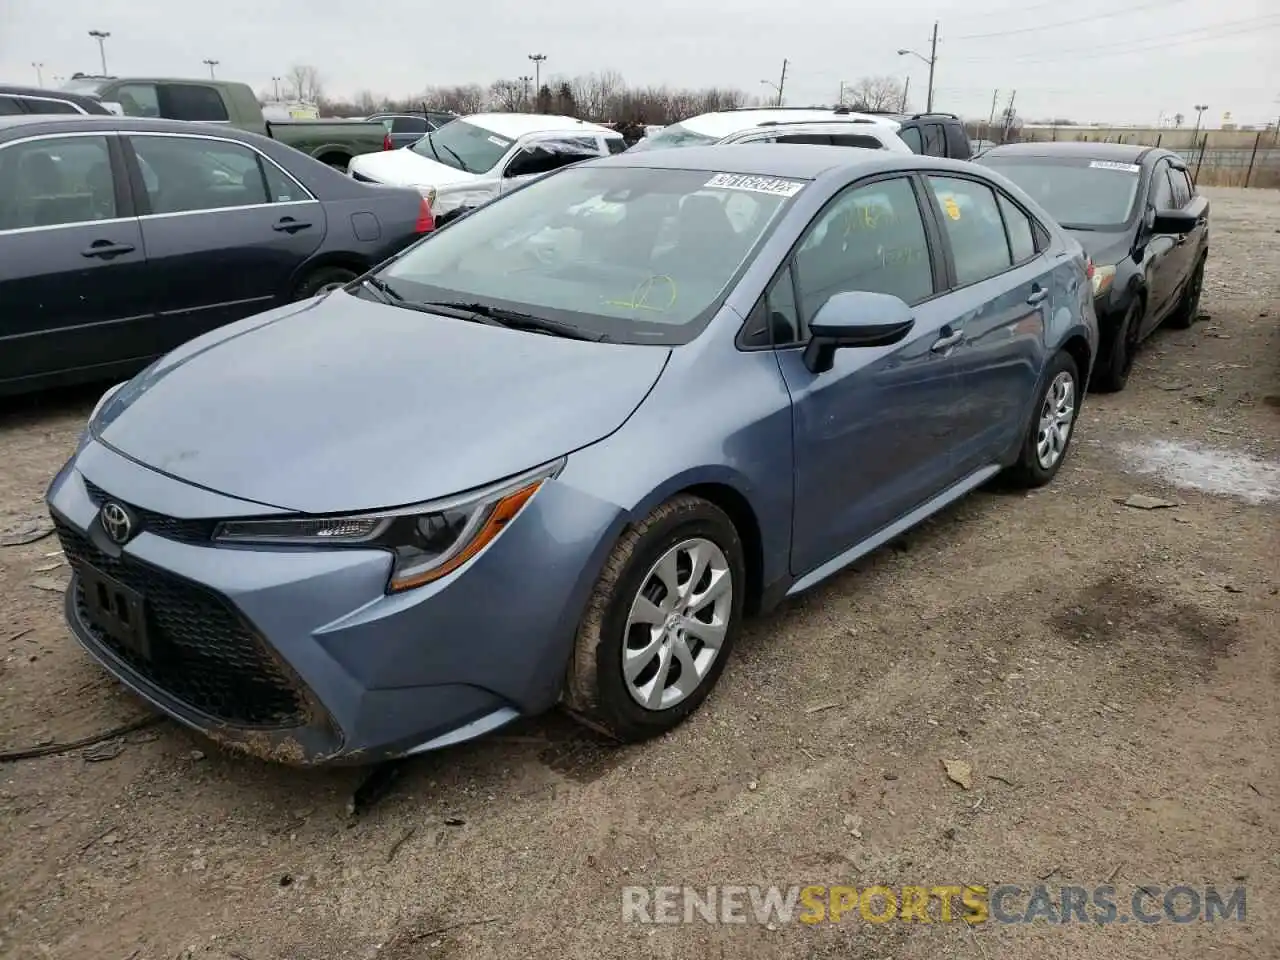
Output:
(1109, 672)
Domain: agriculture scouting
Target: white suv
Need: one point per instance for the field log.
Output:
(840, 127)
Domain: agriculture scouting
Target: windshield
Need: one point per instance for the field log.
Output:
(1081, 194)
(634, 255)
(464, 146)
(674, 136)
(84, 85)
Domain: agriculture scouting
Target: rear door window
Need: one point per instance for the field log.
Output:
(9, 107)
(974, 227)
(410, 125)
(856, 140)
(44, 105)
(189, 174)
(191, 101)
(1181, 188)
(819, 138)
(957, 142)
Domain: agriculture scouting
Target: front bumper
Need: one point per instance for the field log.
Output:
(299, 656)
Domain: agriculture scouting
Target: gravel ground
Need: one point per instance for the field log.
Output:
(1108, 672)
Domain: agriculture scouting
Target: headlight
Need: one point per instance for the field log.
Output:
(102, 401)
(428, 194)
(1102, 278)
(428, 541)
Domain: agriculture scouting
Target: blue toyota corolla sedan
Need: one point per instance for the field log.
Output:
(555, 452)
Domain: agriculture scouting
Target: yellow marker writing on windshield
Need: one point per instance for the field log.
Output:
(640, 296)
(952, 208)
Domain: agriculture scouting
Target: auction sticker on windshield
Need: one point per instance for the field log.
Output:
(1115, 165)
(499, 142)
(739, 181)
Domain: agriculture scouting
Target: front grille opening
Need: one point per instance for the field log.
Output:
(201, 652)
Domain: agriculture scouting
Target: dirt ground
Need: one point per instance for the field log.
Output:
(1109, 672)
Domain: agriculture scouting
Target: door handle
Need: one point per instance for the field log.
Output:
(290, 225)
(106, 249)
(948, 339)
(1182, 238)
(1038, 295)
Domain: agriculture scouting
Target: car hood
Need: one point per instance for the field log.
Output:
(407, 168)
(347, 405)
(1104, 247)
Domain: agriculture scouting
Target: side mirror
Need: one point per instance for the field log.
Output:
(1175, 222)
(855, 319)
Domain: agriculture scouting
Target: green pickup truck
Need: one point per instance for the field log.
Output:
(222, 101)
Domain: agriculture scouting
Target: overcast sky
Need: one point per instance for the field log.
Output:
(1087, 60)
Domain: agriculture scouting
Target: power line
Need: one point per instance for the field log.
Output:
(1128, 43)
(1093, 17)
(1128, 50)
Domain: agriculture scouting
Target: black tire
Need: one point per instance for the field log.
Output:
(322, 280)
(335, 160)
(596, 691)
(1112, 372)
(1184, 314)
(1029, 471)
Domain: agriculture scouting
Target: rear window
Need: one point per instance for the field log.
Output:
(615, 144)
(1081, 194)
(675, 135)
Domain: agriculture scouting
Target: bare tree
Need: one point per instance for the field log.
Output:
(304, 83)
(1179, 119)
(877, 93)
(507, 95)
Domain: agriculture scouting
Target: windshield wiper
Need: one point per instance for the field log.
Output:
(386, 293)
(513, 319)
(453, 153)
(432, 144)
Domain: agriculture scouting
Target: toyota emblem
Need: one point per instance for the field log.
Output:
(116, 522)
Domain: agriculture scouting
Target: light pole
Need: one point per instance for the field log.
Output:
(101, 36)
(39, 73)
(1200, 108)
(211, 64)
(526, 80)
(276, 81)
(538, 60)
(930, 60)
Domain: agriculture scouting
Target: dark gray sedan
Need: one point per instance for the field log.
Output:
(121, 238)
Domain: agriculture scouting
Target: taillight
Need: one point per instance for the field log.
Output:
(426, 222)
(386, 142)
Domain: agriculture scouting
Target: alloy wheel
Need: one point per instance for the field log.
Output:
(677, 624)
(1057, 415)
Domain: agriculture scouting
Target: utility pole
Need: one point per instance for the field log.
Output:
(538, 60)
(991, 120)
(840, 102)
(782, 81)
(933, 59)
(526, 80)
(39, 73)
(211, 64)
(101, 36)
(1008, 118)
(906, 89)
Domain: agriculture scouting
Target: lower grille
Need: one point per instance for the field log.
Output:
(172, 528)
(202, 652)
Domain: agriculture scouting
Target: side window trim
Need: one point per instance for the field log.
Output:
(139, 187)
(1037, 230)
(125, 208)
(24, 98)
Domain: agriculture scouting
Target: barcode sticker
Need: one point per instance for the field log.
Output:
(1115, 165)
(739, 181)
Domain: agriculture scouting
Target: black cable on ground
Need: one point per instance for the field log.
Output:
(8, 756)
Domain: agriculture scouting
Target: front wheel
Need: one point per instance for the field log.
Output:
(323, 280)
(1111, 375)
(661, 622)
(1184, 314)
(1049, 434)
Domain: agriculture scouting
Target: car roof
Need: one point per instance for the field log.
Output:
(517, 125)
(803, 161)
(18, 90)
(37, 124)
(725, 123)
(1078, 149)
